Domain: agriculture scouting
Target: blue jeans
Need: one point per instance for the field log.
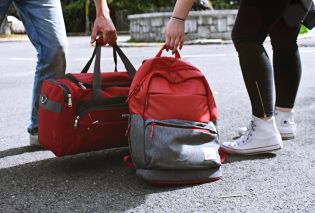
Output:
(44, 24)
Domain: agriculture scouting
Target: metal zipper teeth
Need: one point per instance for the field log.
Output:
(153, 124)
(73, 79)
(70, 77)
(80, 114)
(260, 97)
(175, 125)
(66, 91)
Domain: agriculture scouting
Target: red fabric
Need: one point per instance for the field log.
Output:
(222, 155)
(96, 130)
(169, 88)
(128, 162)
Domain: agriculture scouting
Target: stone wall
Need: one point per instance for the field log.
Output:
(215, 24)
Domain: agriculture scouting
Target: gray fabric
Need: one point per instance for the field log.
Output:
(173, 145)
(50, 105)
(136, 140)
(161, 176)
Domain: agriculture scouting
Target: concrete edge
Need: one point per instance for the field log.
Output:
(24, 38)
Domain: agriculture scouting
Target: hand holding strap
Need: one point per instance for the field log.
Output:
(177, 55)
(97, 79)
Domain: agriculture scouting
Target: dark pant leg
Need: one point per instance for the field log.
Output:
(286, 63)
(253, 23)
(4, 6)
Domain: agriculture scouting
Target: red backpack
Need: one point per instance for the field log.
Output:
(173, 137)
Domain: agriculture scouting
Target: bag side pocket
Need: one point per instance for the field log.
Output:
(178, 144)
(136, 141)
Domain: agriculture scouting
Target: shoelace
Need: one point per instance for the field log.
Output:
(249, 132)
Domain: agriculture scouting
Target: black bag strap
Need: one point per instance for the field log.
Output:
(115, 58)
(128, 65)
(97, 79)
(116, 49)
(88, 64)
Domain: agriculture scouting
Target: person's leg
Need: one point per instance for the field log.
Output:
(254, 21)
(286, 62)
(45, 27)
(287, 73)
(4, 6)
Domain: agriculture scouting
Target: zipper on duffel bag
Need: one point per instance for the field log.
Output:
(66, 91)
(73, 79)
(79, 115)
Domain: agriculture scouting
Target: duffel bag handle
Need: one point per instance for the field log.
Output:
(97, 79)
(159, 54)
(116, 49)
(88, 64)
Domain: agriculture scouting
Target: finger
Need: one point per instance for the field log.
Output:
(167, 43)
(181, 42)
(105, 38)
(93, 35)
(112, 38)
(172, 43)
(176, 44)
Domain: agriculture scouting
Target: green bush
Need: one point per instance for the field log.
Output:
(303, 30)
(74, 15)
(225, 4)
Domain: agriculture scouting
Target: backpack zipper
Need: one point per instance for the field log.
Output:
(152, 130)
(153, 124)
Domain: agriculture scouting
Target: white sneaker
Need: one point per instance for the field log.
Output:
(34, 140)
(260, 137)
(285, 124)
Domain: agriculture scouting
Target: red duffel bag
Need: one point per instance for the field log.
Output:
(84, 112)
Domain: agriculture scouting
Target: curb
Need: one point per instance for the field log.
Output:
(24, 38)
(13, 38)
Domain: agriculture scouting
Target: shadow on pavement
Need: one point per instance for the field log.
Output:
(19, 150)
(92, 182)
(238, 158)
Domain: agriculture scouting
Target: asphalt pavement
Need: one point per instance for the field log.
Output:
(34, 180)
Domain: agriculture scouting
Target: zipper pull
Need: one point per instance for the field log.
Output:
(133, 92)
(76, 121)
(127, 131)
(69, 100)
(81, 85)
(125, 115)
(152, 130)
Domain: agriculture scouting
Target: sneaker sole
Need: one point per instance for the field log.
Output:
(255, 151)
(284, 136)
(288, 136)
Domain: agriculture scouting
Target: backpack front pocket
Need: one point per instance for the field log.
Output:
(178, 144)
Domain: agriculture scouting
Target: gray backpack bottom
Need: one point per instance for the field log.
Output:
(174, 151)
(179, 177)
